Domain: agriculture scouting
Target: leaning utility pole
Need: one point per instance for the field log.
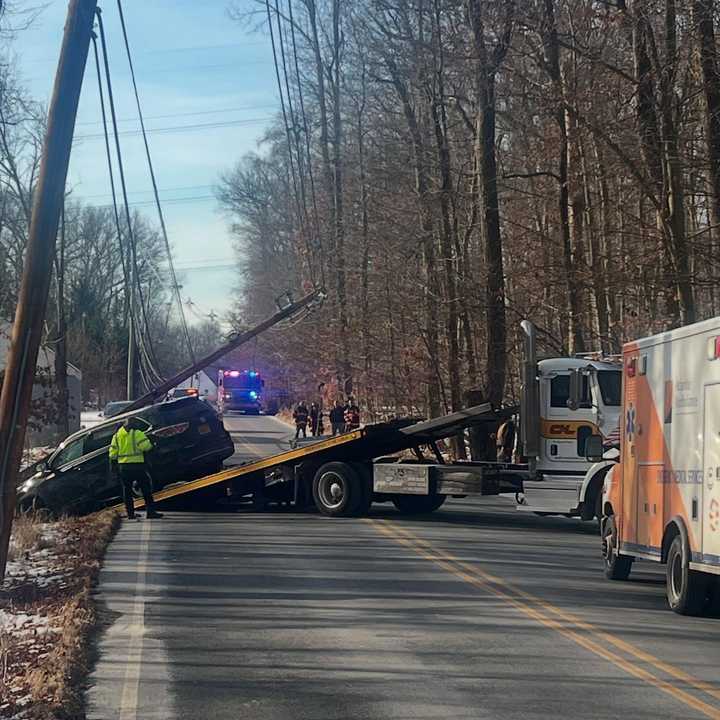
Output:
(32, 302)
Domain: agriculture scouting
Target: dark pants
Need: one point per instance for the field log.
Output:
(136, 473)
(300, 428)
(338, 428)
(313, 426)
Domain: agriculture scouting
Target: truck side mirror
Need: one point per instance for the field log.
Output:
(594, 448)
(575, 396)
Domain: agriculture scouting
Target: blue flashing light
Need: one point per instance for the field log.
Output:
(253, 395)
(253, 373)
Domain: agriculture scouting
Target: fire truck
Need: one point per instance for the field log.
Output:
(240, 391)
(661, 498)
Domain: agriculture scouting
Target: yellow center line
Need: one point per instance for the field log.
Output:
(500, 588)
(627, 647)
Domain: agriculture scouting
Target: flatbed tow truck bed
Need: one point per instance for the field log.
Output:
(344, 474)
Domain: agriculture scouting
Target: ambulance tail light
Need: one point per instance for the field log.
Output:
(713, 348)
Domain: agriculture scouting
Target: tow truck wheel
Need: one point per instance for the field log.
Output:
(687, 590)
(418, 504)
(337, 489)
(617, 567)
(365, 496)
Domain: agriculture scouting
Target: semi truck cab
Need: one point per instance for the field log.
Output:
(555, 426)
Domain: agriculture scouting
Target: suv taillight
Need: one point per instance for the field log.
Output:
(172, 430)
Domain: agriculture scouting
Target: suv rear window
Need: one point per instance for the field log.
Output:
(183, 410)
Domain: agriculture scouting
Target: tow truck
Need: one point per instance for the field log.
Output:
(343, 475)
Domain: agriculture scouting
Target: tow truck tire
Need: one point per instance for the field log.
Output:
(418, 504)
(365, 496)
(337, 489)
(617, 567)
(687, 590)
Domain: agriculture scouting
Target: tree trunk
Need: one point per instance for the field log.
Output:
(568, 219)
(432, 289)
(345, 364)
(486, 67)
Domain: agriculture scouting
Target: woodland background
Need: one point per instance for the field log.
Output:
(444, 169)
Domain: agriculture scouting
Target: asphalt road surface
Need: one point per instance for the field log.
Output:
(476, 611)
(256, 436)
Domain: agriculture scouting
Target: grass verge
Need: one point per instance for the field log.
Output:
(47, 614)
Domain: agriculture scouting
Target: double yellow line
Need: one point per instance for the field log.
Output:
(622, 654)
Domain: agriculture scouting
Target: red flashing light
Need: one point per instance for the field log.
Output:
(631, 367)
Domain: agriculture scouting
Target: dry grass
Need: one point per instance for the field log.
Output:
(55, 686)
(26, 536)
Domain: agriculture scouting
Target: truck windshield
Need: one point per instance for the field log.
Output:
(243, 381)
(610, 382)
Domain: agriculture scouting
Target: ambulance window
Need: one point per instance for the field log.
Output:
(560, 392)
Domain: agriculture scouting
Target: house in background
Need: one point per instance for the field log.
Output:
(47, 434)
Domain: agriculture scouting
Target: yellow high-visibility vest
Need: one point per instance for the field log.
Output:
(129, 446)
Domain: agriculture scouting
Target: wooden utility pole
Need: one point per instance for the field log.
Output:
(32, 302)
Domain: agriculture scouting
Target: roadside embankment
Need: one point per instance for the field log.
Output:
(47, 614)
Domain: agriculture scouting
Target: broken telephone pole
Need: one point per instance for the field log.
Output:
(32, 302)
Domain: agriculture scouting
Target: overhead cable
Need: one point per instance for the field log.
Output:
(284, 114)
(131, 235)
(176, 286)
(311, 174)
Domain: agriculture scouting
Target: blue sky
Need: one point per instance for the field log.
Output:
(195, 67)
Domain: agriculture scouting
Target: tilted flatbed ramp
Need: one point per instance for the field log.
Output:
(369, 442)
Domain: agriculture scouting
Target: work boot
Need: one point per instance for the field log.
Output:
(154, 515)
(134, 517)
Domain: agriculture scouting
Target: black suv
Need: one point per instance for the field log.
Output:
(189, 438)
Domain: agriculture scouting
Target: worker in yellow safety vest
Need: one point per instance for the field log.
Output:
(127, 448)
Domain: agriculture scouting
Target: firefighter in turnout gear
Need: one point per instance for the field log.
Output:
(127, 448)
(352, 416)
(300, 416)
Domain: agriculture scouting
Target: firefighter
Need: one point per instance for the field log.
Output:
(127, 448)
(337, 418)
(314, 418)
(505, 441)
(352, 416)
(301, 419)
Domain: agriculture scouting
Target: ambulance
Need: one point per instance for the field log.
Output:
(661, 500)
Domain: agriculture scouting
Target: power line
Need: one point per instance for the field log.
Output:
(140, 337)
(186, 114)
(316, 215)
(162, 190)
(296, 134)
(284, 112)
(170, 201)
(182, 128)
(161, 51)
(176, 287)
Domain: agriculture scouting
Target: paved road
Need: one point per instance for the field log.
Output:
(474, 612)
(256, 436)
